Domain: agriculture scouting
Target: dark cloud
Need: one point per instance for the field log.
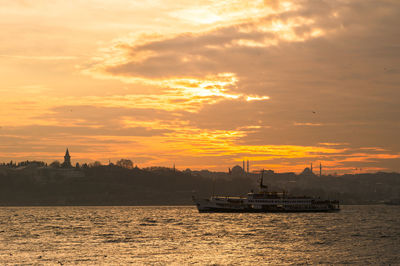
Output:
(190, 55)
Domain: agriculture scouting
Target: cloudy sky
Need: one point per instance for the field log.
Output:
(202, 84)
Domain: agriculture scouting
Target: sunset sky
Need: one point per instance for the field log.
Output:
(202, 84)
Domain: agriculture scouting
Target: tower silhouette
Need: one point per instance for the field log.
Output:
(67, 159)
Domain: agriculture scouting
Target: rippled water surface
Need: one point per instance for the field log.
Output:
(180, 235)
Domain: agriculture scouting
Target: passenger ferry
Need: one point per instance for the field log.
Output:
(266, 201)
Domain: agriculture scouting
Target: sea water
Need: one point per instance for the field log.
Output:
(181, 235)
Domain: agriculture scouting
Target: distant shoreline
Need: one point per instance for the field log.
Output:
(119, 186)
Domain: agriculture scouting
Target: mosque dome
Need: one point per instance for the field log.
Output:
(237, 170)
(307, 171)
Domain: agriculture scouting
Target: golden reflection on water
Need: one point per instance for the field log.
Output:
(180, 235)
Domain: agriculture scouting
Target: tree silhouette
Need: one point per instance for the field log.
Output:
(125, 163)
(55, 164)
(95, 164)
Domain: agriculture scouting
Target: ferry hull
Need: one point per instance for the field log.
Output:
(266, 210)
(237, 206)
(220, 210)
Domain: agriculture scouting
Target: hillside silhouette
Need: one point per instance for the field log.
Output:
(35, 183)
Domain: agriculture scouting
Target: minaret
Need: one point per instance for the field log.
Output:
(243, 167)
(311, 168)
(67, 159)
(248, 166)
(320, 169)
